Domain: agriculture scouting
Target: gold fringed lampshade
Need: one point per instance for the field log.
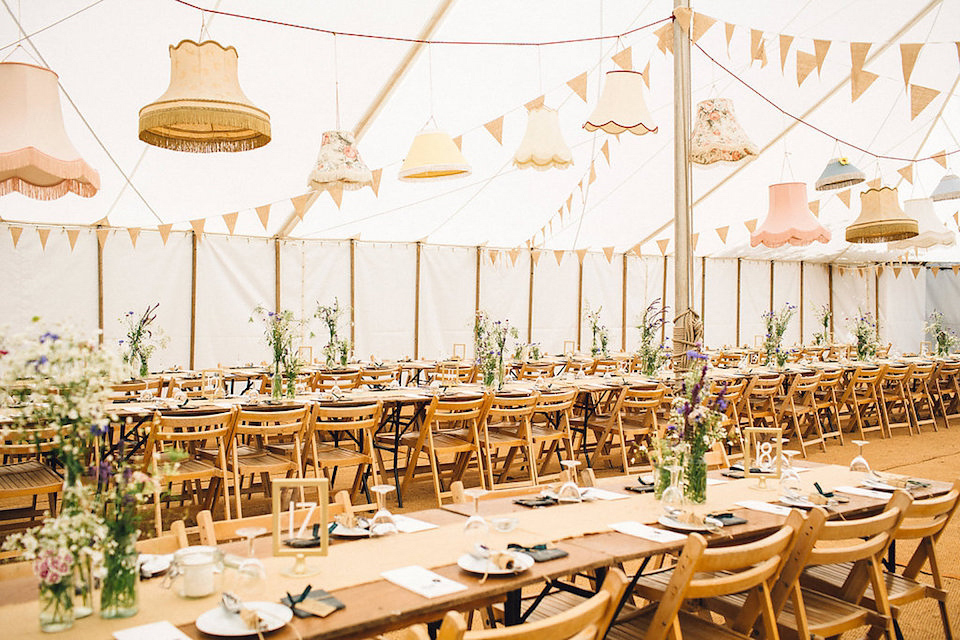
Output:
(621, 106)
(204, 109)
(543, 146)
(339, 162)
(881, 218)
(789, 220)
(433, 155)
(717, 136)
(36, 156)
(930, 229)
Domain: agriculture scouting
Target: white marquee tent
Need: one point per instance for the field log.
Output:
(408, 257)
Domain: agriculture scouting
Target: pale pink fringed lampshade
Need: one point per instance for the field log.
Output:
(36, 156)
(932, 230)
(339, 162)
(789, 220)
(717, 136)
(621, 106)
(204, 109)
(543, 146)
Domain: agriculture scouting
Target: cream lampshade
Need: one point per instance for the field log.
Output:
(931, 230)
(542, 146)
(948, 189)
(204, 109)
(433, 155)
(839, 173)
(717, 136)
(339, 162)
(789, 220)
(36, 156)
(621, 106)
(881, 219)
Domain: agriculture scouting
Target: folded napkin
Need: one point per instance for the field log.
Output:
(406, 524)
(161, 630)
(312, 602)
(640, 530)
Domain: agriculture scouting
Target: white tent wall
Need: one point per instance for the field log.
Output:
(603, 289)
(555, 301)
(816, 293)
(902, 303)
(720, 323)
(234, 275)
(55, 283)
(853, 294)
(386, 275)
(315, 273)
(786, 290)
(754, 300)
(644, 285)
(943, 294)
(448, 299)
(505, 291)
(134, 278)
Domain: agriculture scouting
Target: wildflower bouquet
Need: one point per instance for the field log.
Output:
(944, 338)
(278, 330)
(490, 338)
(865, 331)
(600, 336)
(776, 325)
(141, 340)
(823, 315)
(652, 356)
(336, 350)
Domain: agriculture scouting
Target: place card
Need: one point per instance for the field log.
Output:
(866, 493)
(713, 481)
(406, 524)
(593, 493)
(640, 530)
(162, 630)
(422, 581)
(765, 507)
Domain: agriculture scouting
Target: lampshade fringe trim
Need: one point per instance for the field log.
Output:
(76, 175)
(257, 129)
(638, 129)
(888, 231)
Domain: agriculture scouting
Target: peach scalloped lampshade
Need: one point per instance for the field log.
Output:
(789, 220)
(37, 158)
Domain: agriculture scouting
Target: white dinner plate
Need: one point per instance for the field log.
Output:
(485, 566)
(219, 622)
(670, 523)
(341, 531)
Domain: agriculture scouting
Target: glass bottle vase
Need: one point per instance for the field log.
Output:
(118, 596)
(695, 485)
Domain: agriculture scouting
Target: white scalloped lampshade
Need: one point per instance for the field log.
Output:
(543, 146)
(37, 158)
(621, 106)
(717, 136)
(931, 230)
(339, 162)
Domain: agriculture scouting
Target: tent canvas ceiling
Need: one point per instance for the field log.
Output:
(112, 59)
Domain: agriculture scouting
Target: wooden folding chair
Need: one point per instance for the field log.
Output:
(449, 374)
(550, 427)
(534, 370)
(137, 387)
(379, 376)
(761, 400)
(598, 415)
(341, 435)
(327, 379)
(918, 385)
(894, 395)
(506, 426)
(798, 412)
(603, 366)
(946, 388)
(635, 423)
(827, 402)
(25, 472)
(861, 400)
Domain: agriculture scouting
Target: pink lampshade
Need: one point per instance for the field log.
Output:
(789, 219)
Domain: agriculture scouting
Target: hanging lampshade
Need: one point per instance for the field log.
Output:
(36, 156)
(433, 156)
(621, 106)
(839, 173)
(542, 146)
(948, 189)
(931, 230)
(881, 218)
(789, 220)
(204, 109)
(717, 136)
(339, 162)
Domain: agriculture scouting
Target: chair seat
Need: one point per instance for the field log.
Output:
(449, 440)
(545, 432)
(900, 590)
(193, 469)
(334, 456)
(693, 628)
(213, 454)
(502, 438)
(264, 462)
(28, 478)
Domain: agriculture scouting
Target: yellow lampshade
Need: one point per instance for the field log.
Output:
(621, 106)
(433, 156)
(36, 156)
(881, 218)
(204, 109)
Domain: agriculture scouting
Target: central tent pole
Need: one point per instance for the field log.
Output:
(682, 218)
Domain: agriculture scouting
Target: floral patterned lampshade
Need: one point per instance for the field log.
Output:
(839, 173)
(717, 136)
(789, 220)
(36, 156)
(931, 230)
(948, 189)
(543, 146)
(204, 109)
(433, 155)
(339, 163)
(621, 106)
(881, 219)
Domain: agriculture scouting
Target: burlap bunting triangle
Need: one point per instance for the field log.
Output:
(558, 254)
(605, 150)
(164, 230)
(722, 233)
(844, 197)
(785, 42)
(375, 184)
(580, 254)
(230, 219)
(751, 225)
(198, 226)
(646, 74)
(940, 157)
(134, 234)
(264, 214)
(624, 59)
(728, 31)
(908, 58)
(102, 236)
(44, 234)
(820, 48)
(920, 97)
(701, 24)
(535, 256)
(805, 64)
(72, 235)
(663, 243)
(536, 103)
(608, 252)
(495, 127)
(579, 85)
(907, 172)
(814, 206)
(15, 235)
(665, 38)
(860, 81)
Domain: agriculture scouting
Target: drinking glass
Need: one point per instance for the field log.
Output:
(570, 490)
(476, 528)
(859, 463)
(382, 523)
(790, 486)
(673, 495)
(251, 533)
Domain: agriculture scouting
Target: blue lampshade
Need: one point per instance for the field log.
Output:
(948, 189)
(839, 173)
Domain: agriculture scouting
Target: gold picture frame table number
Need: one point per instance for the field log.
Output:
(316, 511)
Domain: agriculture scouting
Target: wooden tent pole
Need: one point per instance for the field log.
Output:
(623, 305)
(100, 289)
(663, 296)
(579, 302)
(530, 302)
(703, 296)
(353, 292)
(830, 295)
(193, 298)
(476, 299)
(737, 333)
(416, 308)
(682, 214)
(276, 275)
(876, 301)
(800, 304)
(771, 286)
